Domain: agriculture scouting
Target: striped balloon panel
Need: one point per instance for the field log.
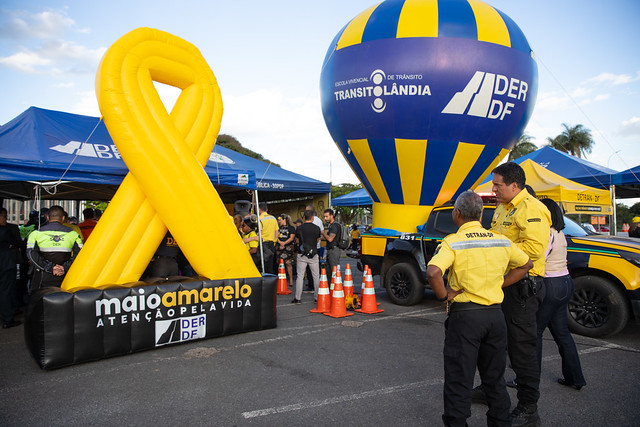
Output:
(469, 19)
(421, 172)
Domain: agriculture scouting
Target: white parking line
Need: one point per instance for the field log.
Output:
(339, 399)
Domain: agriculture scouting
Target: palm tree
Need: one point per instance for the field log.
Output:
(576, 140)
(523, 147)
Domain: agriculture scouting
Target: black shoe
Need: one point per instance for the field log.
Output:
(525, 416)
(513, 383)
(11, 324)
(564, 382)
(477, 395)
(296, 301)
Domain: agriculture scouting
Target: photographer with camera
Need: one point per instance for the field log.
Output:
(308, 235)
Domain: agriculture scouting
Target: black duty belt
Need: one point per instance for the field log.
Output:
(465, 306)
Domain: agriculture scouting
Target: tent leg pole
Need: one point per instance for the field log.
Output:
(259, 231)
(614, 223)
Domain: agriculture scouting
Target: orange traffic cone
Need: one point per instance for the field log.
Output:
(333, 278)
(282, 280)
(366, 277)
(348, 281)
(364, 281)
(368, 304)
(324, 296)
(338, 305)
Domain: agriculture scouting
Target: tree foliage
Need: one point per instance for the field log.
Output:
(575, 140)
(522, 147)
(346, 214)
(230, 142)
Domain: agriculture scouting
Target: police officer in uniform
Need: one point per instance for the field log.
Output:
(527, 223)
(476, 332)
(52, 250)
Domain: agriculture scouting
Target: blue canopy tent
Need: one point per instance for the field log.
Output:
(44, 146)
(571, 167)
(356, 198)
(627, 182)
(268, 177)
(41, 147)
(584, 172)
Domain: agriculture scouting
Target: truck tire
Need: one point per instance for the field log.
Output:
(403, 284)
(597, 308)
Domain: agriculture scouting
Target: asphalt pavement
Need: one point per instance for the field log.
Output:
(380, 369)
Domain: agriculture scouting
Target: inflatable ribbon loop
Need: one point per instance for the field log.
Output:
(165, 154)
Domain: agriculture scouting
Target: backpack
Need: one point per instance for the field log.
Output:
(344, 241)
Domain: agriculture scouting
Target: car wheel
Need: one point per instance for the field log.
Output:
(403, 284)
(597, 308)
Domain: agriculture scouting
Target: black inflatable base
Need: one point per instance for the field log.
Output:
(64, 328)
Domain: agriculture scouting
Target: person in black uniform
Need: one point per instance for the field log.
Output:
(52, 250)
(9, 242)
(165, 261)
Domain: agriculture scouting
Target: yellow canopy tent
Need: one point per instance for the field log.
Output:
(575, 198)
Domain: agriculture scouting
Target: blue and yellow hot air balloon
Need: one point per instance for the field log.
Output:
(424, 98)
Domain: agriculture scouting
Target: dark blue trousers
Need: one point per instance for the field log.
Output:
(522, 338)
(475, 338)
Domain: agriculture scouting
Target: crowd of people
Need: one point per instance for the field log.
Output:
(297, 243)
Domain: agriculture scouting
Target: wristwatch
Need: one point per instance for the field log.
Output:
(443, 299)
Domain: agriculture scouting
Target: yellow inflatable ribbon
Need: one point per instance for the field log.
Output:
(166, 185)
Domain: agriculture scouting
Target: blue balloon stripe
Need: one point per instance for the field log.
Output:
(456, 19)
(343, 145)
(518, 39)
(383, 22)
(439, 157)
(332, 46)
(384, 154)
(487, 156)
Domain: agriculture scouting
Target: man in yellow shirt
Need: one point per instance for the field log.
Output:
(476, 332)
(527, 223)
(269, 235)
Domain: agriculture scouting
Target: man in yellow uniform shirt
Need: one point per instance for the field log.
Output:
(476, 333)
(269, 235)
(526, 222)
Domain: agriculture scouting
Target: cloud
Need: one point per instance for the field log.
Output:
(19, 25)
(553, 102)
(597, 98)
(614, 79)
(26, 61)
(87, 104)
(630, 127)
(66, 85)
(40, 45)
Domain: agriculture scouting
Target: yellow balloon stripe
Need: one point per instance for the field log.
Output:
(166, 186)
(464, 159)
(353, 33)
(362, 153)
(491, 26)
(492, 166)
(411, 159)
(419, 18)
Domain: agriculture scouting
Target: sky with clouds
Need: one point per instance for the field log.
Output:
(267, 57)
